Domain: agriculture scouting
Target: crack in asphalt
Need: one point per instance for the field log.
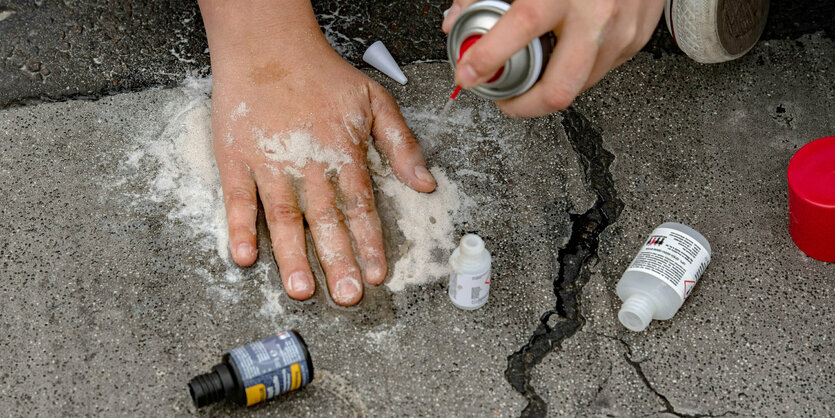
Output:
(572, 259)
(668, 406)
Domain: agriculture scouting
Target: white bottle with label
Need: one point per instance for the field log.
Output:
(662, 275)
(469, 280)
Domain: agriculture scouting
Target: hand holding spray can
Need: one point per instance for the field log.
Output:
(520, 72)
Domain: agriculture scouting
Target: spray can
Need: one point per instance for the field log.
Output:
(520, 72)
(469, 280)
(662, 275)
(256, 372)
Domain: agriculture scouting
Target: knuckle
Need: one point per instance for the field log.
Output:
(360, 207)
(558, 97)
(240, 231)
(284, 213)
(528, 20)
(408, 147)
(240, 196)
(639, 39)
(629, 35)
(325, 215)
(381, 100)
(606, 10)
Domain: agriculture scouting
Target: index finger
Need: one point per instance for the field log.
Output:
(523, 22)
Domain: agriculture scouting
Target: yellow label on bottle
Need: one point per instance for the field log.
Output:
(296, 376)
(256, 394)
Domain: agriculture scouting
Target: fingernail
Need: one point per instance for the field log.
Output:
(299, 282)
(244, 250)
(466, 75)
(347, 290)
(423, 174)
(374, 271)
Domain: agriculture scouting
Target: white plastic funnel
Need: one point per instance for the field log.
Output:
(380, 58)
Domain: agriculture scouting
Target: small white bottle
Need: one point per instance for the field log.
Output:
(469, 280)
(662, 275)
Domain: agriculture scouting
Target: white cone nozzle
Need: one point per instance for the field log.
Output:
(380, 58)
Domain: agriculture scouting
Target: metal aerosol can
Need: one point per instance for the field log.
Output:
(520, 72)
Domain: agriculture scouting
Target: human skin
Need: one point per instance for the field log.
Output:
(276, 81)
(593, 37)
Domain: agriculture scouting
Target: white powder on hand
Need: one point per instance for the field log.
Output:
(395, 137)
(298, 148)
(240, 111)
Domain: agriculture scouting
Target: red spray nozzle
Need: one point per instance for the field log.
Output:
(455, 92)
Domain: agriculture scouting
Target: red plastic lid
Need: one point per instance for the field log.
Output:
(811, 177)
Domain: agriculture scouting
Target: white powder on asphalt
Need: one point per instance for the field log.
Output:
(185, 167)
(181, 167)
(426, 221)
(272, 292)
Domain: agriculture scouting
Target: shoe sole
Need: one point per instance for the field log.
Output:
(711, 31)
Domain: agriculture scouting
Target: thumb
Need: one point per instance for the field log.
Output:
(395, 140)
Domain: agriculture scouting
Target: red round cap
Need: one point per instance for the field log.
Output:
(812, 199)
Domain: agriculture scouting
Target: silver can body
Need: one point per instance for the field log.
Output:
(520, 72)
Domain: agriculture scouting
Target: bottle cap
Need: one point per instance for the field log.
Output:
(380, 58)
(811, 177)
(471, 245)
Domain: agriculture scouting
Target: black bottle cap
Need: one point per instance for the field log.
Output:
(211, 387)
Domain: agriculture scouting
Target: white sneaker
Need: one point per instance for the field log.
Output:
(712, 31)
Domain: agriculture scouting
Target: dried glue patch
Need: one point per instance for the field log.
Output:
(427, 221)
(298, 148)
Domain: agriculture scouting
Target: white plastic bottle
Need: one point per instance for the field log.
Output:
(469, 280)
(662, 275)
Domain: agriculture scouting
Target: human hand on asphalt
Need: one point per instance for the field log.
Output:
(291, 122)
(593, 37)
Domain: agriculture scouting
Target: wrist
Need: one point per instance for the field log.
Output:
(254, 31)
